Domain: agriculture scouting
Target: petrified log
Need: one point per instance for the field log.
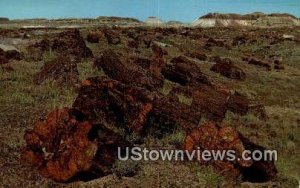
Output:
(213, 138)
(62, 69)
(238, 103)
(168, 113)
(3, 59)
(112, 37)
(210, 102)
(133, 43)
(74, 143)
(185, 72)
(213, 103)
(9, 53)
(120, 68)
(109, 101)
(227, 68)
(147, 41)
(72, 43)
(66, 43)
(198, 55)
(135, 109)
(253, 61)
(94, 36)
(65, 147)
(278, 64)
(35, 51)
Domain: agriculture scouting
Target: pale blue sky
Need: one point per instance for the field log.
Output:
(181, 10)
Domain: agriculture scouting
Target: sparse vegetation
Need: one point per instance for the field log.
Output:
(208, 177)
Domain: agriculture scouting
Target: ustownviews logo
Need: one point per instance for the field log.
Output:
(138, 154)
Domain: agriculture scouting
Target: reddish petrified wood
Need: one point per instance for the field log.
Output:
(71, 42)
(211, 137)
(257, 62)
(107, 100)
(62, 69)
(227, 68)
(112, 37)
(94, 36)
(210, 102)
(185, 72)
(198, 55)
(123, 69)
(65, 147)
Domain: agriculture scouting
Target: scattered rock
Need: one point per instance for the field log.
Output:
(257, 62)
(36, 51)
(94, 37)
(112, 37)
(133, 43)
(121, 68)
(238, 103)
(210, 102)
(211, 42)
(198, 55)
(65, 147)
(147, 41)
(211, 137)
(62, 69)
(278, 64)
(109, 101)
(71, 42)
(227, 68)
(3, 59)
(185, 72)
(8, 52)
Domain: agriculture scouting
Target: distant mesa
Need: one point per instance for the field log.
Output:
(2, 19)
(175, 23)
(117, 19)
(153, 21)
(256, 19)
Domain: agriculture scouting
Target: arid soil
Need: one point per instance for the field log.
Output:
(70, 97)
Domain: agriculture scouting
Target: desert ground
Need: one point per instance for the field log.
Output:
(74, 87)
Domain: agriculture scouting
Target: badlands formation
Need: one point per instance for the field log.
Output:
(254, 20)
